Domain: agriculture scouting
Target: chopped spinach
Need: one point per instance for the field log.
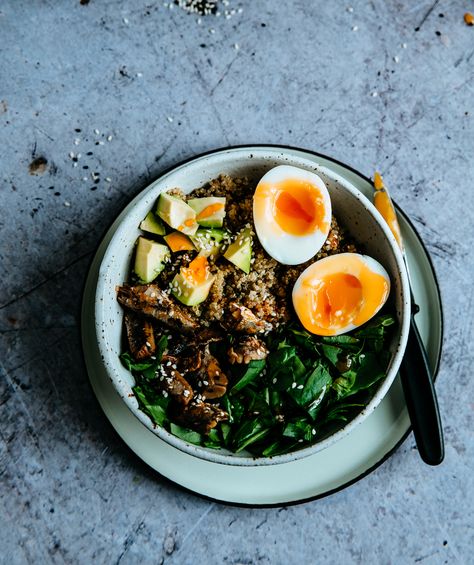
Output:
(307, 387)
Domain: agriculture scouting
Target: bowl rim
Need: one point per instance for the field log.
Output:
(112, 362)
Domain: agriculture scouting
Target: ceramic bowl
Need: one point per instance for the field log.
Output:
(354, 211)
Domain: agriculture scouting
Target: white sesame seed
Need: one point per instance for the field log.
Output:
(293, 385)
(77, 141)
(71, 154)
(354, 28)
(299, 387)
(139, 75)
(170, 119)
(374, 94)
(101, 143)
(236, 46)
(67, 204)
(396, 59)
(125, 21)
(108, 179)
(404, 45)
(313, 431)
(96, 131)
(165, 394)
(109, 138)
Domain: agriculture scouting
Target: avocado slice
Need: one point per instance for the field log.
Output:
(192, 284)
(150, 259)
(210, 211)
(153, 224)
(209, 241)
(177, 214)
(240, 251)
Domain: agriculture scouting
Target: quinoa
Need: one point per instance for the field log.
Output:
(266, 290)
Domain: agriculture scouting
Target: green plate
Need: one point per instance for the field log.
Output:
(323, 473)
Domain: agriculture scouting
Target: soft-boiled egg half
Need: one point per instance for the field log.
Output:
(292, 214)
(339, 293)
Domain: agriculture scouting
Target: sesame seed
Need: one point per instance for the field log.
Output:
(396, 59)
(170, 119)
(109, 138)
(96, 131)
(125, 21)
(299, 387)
(355, 28)
(293, 385)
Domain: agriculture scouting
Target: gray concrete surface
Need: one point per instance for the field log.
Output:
(363, 86)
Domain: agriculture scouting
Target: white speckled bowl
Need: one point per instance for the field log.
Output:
(353, 210)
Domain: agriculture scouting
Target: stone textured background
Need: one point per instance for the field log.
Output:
(166, 87)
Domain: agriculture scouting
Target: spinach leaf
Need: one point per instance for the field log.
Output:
(305, 340)
(317, 381)
(299, 429)
(226, 430)
(343, 411)
(343, 384)
(368, 372)
(249, 432)
(331, 352)
(130, 364)
(254, 368)
(186, 434)
(213, 439)
(343, 341)
(152, 404)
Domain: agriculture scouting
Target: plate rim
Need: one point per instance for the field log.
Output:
(386, 455)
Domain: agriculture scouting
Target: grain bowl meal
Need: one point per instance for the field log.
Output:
(252, 319)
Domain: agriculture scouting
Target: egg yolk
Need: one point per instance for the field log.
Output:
(331, 302)
(197, 271)
(336, 300)
(296, 205)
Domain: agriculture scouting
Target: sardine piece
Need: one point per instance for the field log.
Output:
(214, 380)
(202, 416)
(243, 320)
(246, 349)
(141, 339)
(174, 384)
(150, 300)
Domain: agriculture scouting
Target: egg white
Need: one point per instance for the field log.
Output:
(284, 247)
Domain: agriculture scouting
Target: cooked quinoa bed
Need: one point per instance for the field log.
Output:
(266, 290)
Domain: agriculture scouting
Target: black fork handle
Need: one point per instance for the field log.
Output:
(420, 397)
